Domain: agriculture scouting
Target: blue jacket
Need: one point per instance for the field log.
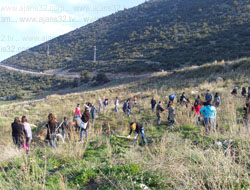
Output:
(208, 112)
(209, 97)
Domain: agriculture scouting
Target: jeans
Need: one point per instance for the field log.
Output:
(64, 133)
(105, 109)
(52, 142)
(142, 136)
(171, 123)
(153, 108)
(116, 109)
(158, 118)
(81, 134)
(129, 112)
(197, 120)
(93, 115)
(18, 141)
(208, 123)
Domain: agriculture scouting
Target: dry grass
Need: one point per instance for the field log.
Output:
(183, 164)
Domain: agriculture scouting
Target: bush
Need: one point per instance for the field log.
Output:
(101, 79)
(85, 76)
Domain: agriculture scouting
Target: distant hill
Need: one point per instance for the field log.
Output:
(158, 34)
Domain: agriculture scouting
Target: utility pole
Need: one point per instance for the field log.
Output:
(48, 54)
(95, 54)
(48, 50)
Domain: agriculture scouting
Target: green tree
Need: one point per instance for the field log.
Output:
(101, 79)
(85, 76)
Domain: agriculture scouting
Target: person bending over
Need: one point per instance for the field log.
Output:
(137, 128)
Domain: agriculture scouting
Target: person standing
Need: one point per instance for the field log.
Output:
(116, 105)
(105, 105)
(243, 92)
(100, 105)
(159, 110)
(196, 108)
(235, 91)
(201, 103)
(125, 107)
(184, 100)
(78, 111)
(18, 132)
(208, 97)
(171, 114)
(209, 114)
(129, 109)
(217, 100)
(28, 133)
(138, 129)
(66, 129)
(51, 128)
(153, 104)
(247, 113)
(85, 124)
(135, 100)
(92, 111)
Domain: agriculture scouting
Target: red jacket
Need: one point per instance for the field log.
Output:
(197, 109)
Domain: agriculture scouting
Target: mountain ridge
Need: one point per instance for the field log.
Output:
(173, 33)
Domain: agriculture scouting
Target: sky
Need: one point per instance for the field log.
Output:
(27, 23)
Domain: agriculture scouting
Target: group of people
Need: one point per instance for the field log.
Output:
(244, 92)
(208, 111)
(22, 134)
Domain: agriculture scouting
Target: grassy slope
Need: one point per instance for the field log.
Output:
(172, 33)
(16, 83)
(179, 159)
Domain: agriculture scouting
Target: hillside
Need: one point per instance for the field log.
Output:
(16, 85)
(181, 158)
(158, 34)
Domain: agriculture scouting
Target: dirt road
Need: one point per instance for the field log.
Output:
(59, 73)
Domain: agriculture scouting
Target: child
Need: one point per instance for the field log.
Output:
(196, 108)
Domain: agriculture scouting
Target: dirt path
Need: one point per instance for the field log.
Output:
(59, 73)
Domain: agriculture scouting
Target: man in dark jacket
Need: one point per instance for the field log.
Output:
(51, 130)
(243, 92)
(208, 97)
(235, 91)
(153, 104)
(125, 107)
(18, 132)
(137, 128)
(159, 110)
